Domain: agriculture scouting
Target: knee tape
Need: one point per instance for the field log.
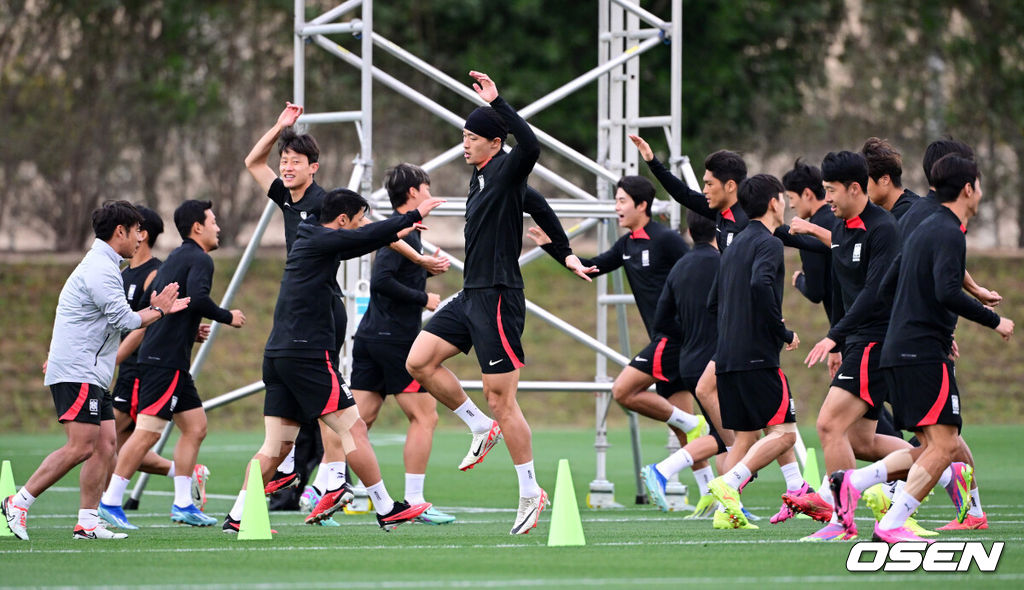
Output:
(342, 423)
(150, 423)
(279, 435)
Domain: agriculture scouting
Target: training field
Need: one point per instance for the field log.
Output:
(634, 547)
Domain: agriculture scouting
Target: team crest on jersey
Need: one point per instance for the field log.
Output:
(954, 400)
(131, 291)
(174, 402)
(856, 253)
(303, 214)
(728, 239)
(645, 258)
(94, 406)
(348, 392)
(480, 179)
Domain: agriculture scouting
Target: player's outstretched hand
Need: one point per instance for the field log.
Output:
(645, 149)
(800, 226)
(538, 236)
(167, 299)
(237, 318)
(289, 115)
(820, 351)
(484, 86)
(203, 334)
(794, 344)
(1005, 328)
(796, 275)
(429, 205)
(572, 262)
(987, 296)
(436, 264)
(408, 230)
(433, 300)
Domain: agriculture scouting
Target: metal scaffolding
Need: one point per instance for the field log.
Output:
(626, 32)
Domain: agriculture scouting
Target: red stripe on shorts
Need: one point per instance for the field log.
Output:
(658, 353)
(154, 409)
(516, 363)
(933, 414)
(332, 402)
(864, 393)
(413, 387)
(72, 412)
(780, 414)
(133, 411)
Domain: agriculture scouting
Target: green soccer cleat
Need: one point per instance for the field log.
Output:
(699, 430)
(729, 498)
(721, 521)
(706, 506)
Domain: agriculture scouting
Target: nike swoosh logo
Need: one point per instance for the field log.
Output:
(492, 363)
(527, 519)
(843, 377)
(479, 447)
(120, 399)
(640, 360)
(624, 257)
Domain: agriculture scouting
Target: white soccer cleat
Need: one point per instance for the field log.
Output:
(481, 445)
(529, 513)
(16, 518)
(97, 532)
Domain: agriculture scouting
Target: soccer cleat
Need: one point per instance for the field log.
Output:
(845, 497)
(959, 489)
(751, 517)
(654, 481)
(971, 523)
(329, 521)
(308, 499)
(721, 520)
(97, 532)
(809, 502)
(913, 526)
(832, 531)
(114, 515)
(330, 503)
(434, 516)
(785, 513)
(401, 514)
(699, 430)
(280, 481)
(16, 518)
(191, 515)
(897, 535)
(200, 475)
(729, 498)
(877, 501)
(529, 513)
(231, 526)
(481, 444)
(705, 507)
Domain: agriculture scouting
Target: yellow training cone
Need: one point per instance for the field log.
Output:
(255, 517)
(6, 489)
(566, 527)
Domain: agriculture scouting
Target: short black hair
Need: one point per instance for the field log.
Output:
(725, 166)
(941, 147)
(152, 224)
(342, 201)
(112, 214)
(640, 189)
(951, 173)
(188, 213)
(804, 176)
(702, 229)
(400, 179)
(883, 159)
(301, 144)
(756, 192)
(845, 167)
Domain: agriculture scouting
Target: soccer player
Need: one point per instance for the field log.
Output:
(299, 368)
(490, 311)
(686, 293)
(928, 281)
(167, 391)
(885, 173)
(747, 299)
(91, 314)
(807, 199)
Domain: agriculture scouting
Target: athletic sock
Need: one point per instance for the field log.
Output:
(288, 465)
(170, 471)
(382, 501)
(946, 478)
(737, 476)
(682, 420)
(23, 499)
(528, 487)
(88, 518)
(470, 414)
(703, 476)
(865, 477)
(414, 487)
(825, 492)
(794, 481)
(115, 491)
(675, 463)
(975, 509)
(323, 473)
(903, 505)
(335, 475)
(236, 508)
(182, 491)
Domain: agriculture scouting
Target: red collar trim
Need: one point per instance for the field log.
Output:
(484, 165)
(727, 214)
(856, 223)
(963, 228)
(640, 234)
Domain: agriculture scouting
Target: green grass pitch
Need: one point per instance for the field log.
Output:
(632, 547)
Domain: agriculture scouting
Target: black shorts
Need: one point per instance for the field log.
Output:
(81, 402)
(924, 395)
(860, 375)
(752, 400)
(164, 392)
(689, 384)
(303, 389)
(660, 359)
(379, 366)
(126, 391)
(490, 320)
